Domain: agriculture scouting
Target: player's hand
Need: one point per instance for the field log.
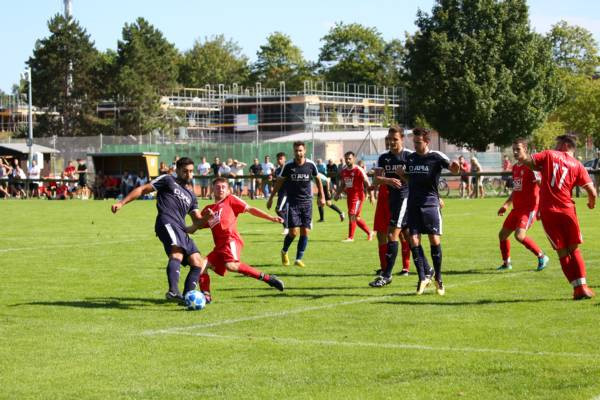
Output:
(208, 213)
(442, 204)
(502, 210)
(269, 203)
(116, 207)
(591, 203)
(371, 199)
(394, 182)
(277, 219)
(322, 201)
(336, 197)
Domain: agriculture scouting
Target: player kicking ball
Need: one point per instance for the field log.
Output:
(354, 181)
(222, 221)
(524, 198)
(561, 171)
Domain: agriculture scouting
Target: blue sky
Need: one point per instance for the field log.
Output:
(248, 23)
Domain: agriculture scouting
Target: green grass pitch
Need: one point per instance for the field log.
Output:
(82, 314)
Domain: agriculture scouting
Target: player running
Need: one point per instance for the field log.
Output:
(326, 183)
(524, 199)
(354, 182)
(282, 204)
(560, 173)
(222, 221)
(174, 200)
(423, 169)
(298, 174)
(388, 163)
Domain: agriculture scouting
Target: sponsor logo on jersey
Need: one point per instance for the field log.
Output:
(300, 177)
(182, 196)
(418, 168)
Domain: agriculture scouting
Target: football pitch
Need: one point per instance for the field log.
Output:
(83, 315)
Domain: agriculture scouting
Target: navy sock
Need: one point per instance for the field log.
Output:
(302, 243)
(436, 257)
(426, 266)
(335, 208)
(390, 257)
(192, 279)
(173, 275)
(418, 260)
(287, 241)
(321, 216)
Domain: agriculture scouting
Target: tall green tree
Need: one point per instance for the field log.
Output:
(574, 48)
(62, 69)
(479, 74)
(147, 65)
(280, 60)
(352, 53)
(212, 61)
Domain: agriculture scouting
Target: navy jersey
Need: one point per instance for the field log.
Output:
(390, 163)
(282, 190)
(298, 181)
(173, 201)
(423, 173)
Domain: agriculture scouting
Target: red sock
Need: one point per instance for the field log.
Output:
(405, 255)
(565, 263)
(505, 249)
(363, 225)
(247, 270)
(351, 229)
(205, 282)
(577, 266)
(532, 246)
(382, 260)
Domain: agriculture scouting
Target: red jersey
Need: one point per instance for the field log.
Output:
(223, 224)
(560, 172)
(526, 190)
(354, 179)
(69, 171)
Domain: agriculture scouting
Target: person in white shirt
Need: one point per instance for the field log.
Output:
(204, 170)
(34, 174)
(237, 169)
(267, 171)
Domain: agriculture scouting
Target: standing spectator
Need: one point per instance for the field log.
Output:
(34, 175)
(596, 167)
(203, 171)
(99, 188)
(230, 175)
(69, 174)
(476, 184)
(215, 167)
(83, 191)
(321, 167)
(507, 180)
(18, 176)
(332, 172)
(237, 170)
(255, 182)
(224, 170)
(127, 182)
(4, 168)
(267, 171)
(163, 168)
(141, 179)
(464, 189)
(174, 164)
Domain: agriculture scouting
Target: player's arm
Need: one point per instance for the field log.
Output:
(505, 206)
(134, 194)
(392, 182)
(278, 183)
(199, 220)
(591, 194)
(257, 212)
(527, 160)
(320, 191)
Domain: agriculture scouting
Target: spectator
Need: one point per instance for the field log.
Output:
(34, 175)
(596, 168)
(224, 170)
(476, 184)
(215, 166)
(237, 170)
(111, 186)
(62, 189)
(163, 168)
(174, 165)
(18, 180)
(141, 179)
(4, 168)
(83, 192)
(255, 181)
(203, 171)
(267, 172)
(99, 188)
(507, 182)
(127, 183)
(69, 174)
(322, 168)
(464, 189)
(332, 172)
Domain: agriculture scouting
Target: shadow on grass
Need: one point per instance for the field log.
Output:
(480, 302)
(119, 303)
(302, 275)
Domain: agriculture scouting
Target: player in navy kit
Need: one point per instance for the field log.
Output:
(297, 175)
(422, 169)
(174, 200)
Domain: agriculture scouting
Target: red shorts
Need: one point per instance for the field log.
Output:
(224, 254)
(562, 228)
(382, 215)
(519, 219)
(355, 206)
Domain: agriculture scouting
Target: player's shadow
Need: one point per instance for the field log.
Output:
(302, 275)
(303, 295)
(471, 272)
(480, 302)
(117, 303)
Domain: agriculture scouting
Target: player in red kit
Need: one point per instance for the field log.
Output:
(524, 199)
(353, 181)
(222, 222)
(560, 173)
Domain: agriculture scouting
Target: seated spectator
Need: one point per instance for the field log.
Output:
(99, 189)
(112, 186)
(141, 179)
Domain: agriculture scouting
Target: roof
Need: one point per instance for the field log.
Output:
(22, 148)
(140, 153)
(333, 136)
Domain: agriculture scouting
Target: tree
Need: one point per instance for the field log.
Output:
(352, 53)
(574, 48)
(147, 65)
(393, 72)
(479, 74)
(216, 60)
(544, 137)
(67, 53)
(280, 60)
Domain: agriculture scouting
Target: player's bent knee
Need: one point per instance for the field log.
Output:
(232, 266)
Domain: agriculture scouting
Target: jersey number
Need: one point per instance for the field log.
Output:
(555, 171)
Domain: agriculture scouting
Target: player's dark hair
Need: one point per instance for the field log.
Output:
(299, 143)
(280, 154)
(520, 140)
(570, 139)
(220, 179)
(184, 162)
(349, 153)
(422, 132)
(395, 129)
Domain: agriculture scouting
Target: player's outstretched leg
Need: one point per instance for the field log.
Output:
(578, 279)
(205, 286)
(287, 242)
(247, 270)
(531, 245)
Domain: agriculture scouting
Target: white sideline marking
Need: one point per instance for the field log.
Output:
(405, 346)
(59, 246)
(172, 330)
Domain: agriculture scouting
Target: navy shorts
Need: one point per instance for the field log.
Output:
(398, 214)
(300, 215)
(171, 235)
(425, 220)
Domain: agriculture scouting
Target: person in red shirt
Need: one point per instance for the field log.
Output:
(228, 242)
(465, 182)
(524, 199)
(560, 173)
(353, 181)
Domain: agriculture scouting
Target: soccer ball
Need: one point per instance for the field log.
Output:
(194, 300)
